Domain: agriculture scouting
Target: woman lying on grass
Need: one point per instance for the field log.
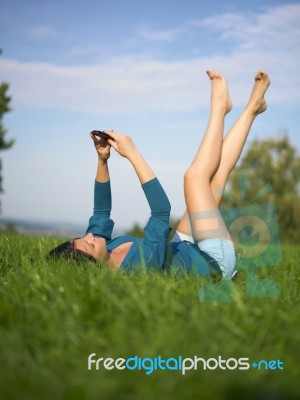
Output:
(202, 243)
(125, 251)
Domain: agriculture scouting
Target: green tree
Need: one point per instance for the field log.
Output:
(271, 166)
(4, 108)
(136, 230)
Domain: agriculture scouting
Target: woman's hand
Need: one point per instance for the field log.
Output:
(102, 147)
(123, 144)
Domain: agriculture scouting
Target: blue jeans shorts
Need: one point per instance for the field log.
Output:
(221, 250)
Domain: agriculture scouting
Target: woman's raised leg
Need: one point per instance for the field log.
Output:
(234, 142)
(236, 137)
(205, 218)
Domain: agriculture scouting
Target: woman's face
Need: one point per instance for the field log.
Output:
(93, 246)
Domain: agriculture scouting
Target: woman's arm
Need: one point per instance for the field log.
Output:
(102, 192)
(103, 150)
(155, 194)
(156, 232)
(100, 223)
(125, 147)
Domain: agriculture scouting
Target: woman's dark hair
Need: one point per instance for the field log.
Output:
(67, 251)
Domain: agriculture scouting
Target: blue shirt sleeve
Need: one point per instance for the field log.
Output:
(157, 200)
(100, 223)
(157, 229)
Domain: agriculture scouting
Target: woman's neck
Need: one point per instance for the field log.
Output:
(117, 255)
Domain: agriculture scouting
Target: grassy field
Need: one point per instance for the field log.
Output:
(53, 315)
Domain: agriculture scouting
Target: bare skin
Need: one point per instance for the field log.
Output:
(96, 247)
(236, 137)
(226, 157)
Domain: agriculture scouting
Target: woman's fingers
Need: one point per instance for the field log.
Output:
(123, 144)
(113, 144)
(115, 138)
(114, 135)
(96, 141)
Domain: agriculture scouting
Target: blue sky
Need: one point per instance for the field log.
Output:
(138, 67)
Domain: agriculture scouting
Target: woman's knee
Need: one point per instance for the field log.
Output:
(198, 173)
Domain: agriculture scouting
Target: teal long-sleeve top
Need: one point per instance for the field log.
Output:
(149, 251)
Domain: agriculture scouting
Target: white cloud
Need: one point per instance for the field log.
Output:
(276, 28)
(118, 86)
(269, 41)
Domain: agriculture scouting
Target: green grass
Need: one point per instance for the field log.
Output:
(53, 315)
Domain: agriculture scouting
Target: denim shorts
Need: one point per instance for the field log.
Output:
(221, 250)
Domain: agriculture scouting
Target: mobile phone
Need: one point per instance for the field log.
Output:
(101, 134)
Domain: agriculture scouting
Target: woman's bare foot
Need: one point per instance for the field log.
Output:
(257, 102)
(220, 99)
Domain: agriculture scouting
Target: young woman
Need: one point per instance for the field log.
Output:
(202, 243)
(124, 252)
(202, 227)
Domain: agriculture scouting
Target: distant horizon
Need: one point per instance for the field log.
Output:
(37, 221)
(52, 227)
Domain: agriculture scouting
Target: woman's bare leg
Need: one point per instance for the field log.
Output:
(234, 143)
(205, 218)
(236, 137)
